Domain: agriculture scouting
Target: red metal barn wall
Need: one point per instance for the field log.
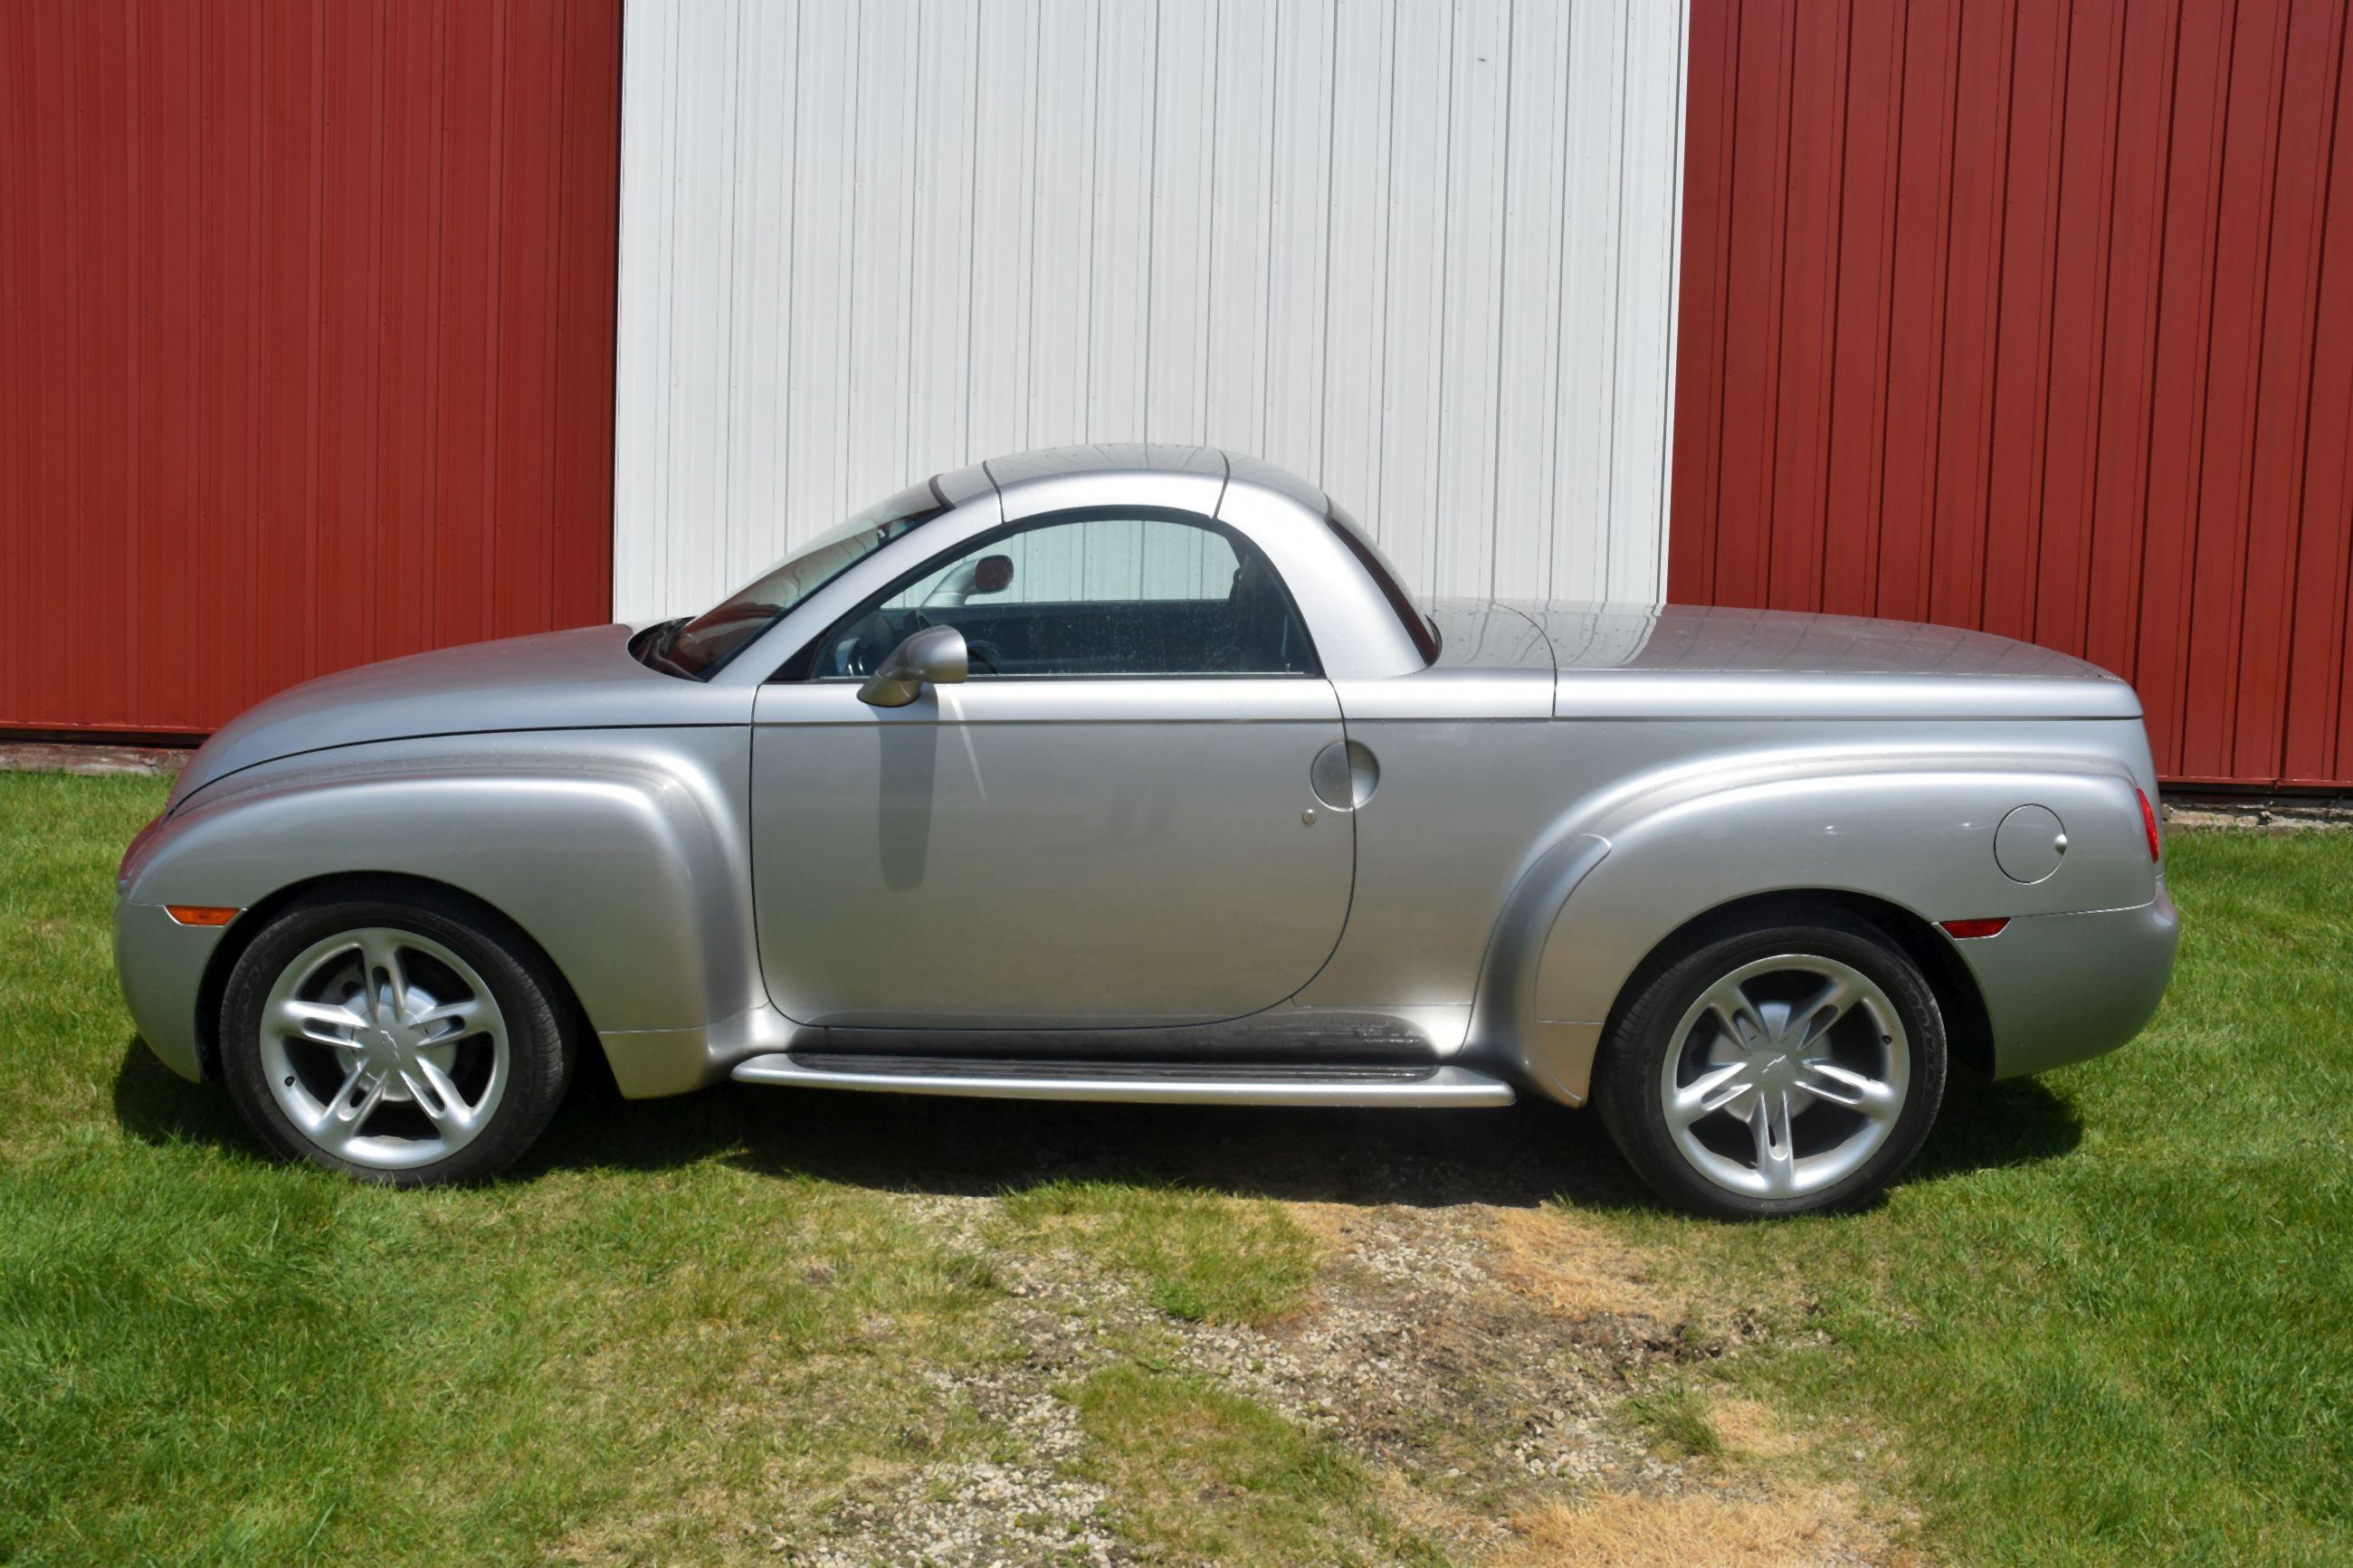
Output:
(306, 353)
(2036, 318)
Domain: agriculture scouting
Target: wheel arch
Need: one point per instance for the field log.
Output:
(619, 856)
(1968, 1032)
(212, 988)
(1903, 838)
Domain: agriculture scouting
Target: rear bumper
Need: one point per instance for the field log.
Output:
(162, 965)
(2060, 988)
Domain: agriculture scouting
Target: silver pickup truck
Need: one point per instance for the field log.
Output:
(1134, 774)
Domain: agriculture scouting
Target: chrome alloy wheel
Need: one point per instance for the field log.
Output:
(1785, 1076)
(384, 1048)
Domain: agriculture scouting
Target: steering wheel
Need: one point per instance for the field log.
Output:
(980, 650)
(867, 644)
(870, 641)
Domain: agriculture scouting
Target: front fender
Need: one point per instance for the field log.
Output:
(1917, 833)
(622, 853)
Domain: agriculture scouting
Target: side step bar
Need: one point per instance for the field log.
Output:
(1202, 1083)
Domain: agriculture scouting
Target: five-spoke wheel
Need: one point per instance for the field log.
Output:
(411, 1039)
(384, 1047)
(1788, 1073)
(1775, 1068)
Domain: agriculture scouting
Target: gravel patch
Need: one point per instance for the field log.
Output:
(1477, 1399)
(1035, 1510)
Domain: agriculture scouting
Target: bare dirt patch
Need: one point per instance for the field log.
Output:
(1785, 1529)
(1752, 1429)
(1361, 1338)
(1569, 1269)
(1474, 1360)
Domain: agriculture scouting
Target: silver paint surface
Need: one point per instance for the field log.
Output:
(1013, 853)
(725, 869)
(1448, 1087)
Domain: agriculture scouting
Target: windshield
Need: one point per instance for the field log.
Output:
(701, 645)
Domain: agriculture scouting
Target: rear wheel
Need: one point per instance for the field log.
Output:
(410, 1038)
(1776, 1069)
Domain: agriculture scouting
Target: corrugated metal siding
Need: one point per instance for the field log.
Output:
(2036, 318)
(1423, 253)
(319, 368)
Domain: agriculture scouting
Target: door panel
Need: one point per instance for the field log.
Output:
(1045, 853)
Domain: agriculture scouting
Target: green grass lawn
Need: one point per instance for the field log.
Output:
(2109, 1317)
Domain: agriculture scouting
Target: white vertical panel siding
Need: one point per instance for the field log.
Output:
(1422, 253)
(641, 512)
(1470, 318)
(1297, 262)
(1537, 132)
(1356, 241)
(1649, 223)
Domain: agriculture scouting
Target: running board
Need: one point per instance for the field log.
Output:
(1201, 1083)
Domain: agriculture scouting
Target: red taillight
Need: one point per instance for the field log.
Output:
(1990, 926)
(2148, 825)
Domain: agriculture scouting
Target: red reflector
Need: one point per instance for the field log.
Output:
(200, 914)
(1966, 929)
(2148, 825)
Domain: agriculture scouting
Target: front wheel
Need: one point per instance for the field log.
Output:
(407, 1038)
(1776, 1069)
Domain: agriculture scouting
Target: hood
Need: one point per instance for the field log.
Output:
(556, 681)
(1628, 660)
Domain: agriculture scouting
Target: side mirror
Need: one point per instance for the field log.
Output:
(934, 655)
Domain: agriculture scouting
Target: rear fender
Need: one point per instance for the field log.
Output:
(1914, 832)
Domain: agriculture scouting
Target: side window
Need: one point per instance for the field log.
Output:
(1097, 596)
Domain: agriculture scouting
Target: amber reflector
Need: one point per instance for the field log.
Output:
(1991, 927)
(199, 914)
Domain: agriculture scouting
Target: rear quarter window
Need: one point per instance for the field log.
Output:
(1417, 626)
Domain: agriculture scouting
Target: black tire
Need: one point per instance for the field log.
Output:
(532, 1001)
(1628, 1088)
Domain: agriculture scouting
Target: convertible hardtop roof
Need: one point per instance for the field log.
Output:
(1109, 457)
(1151, 458)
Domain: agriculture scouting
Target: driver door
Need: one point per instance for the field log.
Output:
(1109, 824)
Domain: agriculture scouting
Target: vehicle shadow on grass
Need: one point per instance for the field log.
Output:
(156, 1105)
(1531, 1154)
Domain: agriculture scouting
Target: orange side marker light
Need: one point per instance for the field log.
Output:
(201, 914)
(1989, 927)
